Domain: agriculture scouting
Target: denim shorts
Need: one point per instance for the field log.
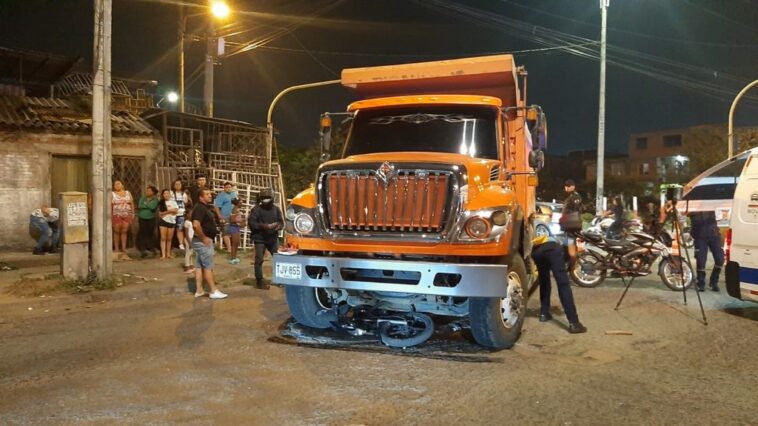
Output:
(203, 254)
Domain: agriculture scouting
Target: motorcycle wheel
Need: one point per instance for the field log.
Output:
(671, 271)
(418, 330)
(581, 277)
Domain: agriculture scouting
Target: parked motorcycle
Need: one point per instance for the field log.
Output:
(631, 256)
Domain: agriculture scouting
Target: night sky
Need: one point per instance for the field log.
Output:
(690, 43)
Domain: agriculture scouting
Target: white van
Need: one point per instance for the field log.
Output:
(741, 245)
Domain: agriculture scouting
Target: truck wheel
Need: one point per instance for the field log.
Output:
(310, 306)
(496, 323)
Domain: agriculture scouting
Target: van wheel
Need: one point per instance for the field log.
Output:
(310, 306)
(496, 323)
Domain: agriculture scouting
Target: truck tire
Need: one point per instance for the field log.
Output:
(307, 309)
(496, 323)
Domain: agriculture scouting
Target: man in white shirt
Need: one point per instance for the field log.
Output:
(43, 226)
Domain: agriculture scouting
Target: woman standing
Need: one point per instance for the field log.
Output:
(122, 214)
(168, 211)
(182, 202)
(148, 205)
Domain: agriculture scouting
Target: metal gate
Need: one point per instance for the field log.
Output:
(131, 173)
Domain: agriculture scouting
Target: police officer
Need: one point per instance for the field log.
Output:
(705, 232)
(265, 221)
(548, 254)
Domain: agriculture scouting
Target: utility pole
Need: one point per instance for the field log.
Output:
(601, 112)
(209, 60)
(102, 165)
(182, 25)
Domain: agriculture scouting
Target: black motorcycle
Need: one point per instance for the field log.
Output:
(631, 256)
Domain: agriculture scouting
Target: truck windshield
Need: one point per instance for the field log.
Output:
(467, 130)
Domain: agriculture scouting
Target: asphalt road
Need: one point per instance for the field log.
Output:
(175, 359)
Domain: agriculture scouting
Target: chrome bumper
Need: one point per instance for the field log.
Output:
(477, 280)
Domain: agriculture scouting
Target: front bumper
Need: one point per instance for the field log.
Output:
(476, 280)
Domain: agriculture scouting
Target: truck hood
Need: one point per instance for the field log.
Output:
(474, 166)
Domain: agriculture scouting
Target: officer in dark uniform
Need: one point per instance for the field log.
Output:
(548, 254)
(705, 232)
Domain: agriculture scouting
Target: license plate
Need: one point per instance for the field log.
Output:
(289, 270)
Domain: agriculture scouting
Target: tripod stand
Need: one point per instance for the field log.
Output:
(677, 228)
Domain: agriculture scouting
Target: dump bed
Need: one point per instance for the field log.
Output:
(487, 75)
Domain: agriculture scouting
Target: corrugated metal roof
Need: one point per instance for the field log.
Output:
(63, 115)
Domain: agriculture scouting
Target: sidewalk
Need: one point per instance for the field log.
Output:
(139, 278)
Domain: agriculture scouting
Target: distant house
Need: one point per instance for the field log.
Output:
(659, 156)
(45, 141)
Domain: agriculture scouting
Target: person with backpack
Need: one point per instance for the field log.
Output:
(264, 222)
(571, 217)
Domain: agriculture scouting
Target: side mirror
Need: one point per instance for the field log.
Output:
(540, 132)
(325, 136)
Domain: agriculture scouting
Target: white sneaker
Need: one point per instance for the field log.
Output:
(181, 246)
(218, 295)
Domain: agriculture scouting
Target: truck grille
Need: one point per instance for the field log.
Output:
(408, 201)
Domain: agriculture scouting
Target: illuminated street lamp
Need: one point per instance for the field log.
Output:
(171, 97)
(219, 10)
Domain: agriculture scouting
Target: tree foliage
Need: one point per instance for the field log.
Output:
(299, 167)
(706, 146)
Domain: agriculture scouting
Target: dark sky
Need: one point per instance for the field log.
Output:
(696, 40)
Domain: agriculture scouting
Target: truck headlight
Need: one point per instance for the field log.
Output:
(499, 217)
(477, 227)
(483, 225)
(304, 223)
(301, 221)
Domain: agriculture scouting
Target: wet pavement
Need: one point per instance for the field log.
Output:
(164, 357)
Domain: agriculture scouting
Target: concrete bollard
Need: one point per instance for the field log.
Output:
(75, 234)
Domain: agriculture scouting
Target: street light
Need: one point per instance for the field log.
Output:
(219, 10)
(171, 97)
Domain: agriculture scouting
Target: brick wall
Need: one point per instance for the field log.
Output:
(24, 186)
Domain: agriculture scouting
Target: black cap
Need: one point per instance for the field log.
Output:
(569, 182)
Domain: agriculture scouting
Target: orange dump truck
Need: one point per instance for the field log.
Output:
(427, 211)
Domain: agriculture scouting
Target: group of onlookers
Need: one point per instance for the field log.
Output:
(161, 215)
(196, 218)
(192, 215)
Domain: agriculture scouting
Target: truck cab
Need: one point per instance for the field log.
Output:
(428, 209)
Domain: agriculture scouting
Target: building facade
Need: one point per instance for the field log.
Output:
(45, 149)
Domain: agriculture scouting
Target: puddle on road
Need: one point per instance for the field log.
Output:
(445, 344)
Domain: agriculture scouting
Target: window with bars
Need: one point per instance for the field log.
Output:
(129, 171)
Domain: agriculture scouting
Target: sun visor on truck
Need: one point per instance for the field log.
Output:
(493, 76)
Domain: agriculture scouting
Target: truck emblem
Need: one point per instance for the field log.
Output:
(385, 172)
(754, 197)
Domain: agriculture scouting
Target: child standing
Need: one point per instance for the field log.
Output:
(233, 229)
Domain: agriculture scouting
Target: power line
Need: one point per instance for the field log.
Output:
(625, 58)
(428, 55)
(632, 33)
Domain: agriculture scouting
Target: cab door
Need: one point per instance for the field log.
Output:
(744, 224)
